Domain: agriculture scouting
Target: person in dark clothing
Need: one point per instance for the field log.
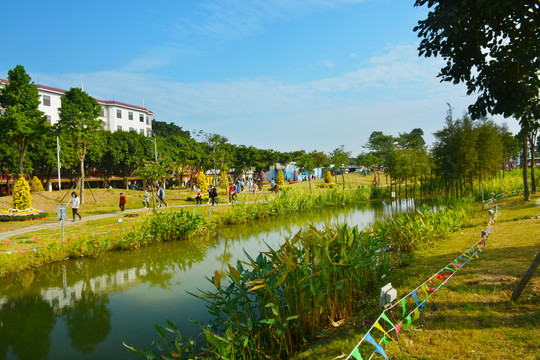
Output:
(161, 196)
(213, 195)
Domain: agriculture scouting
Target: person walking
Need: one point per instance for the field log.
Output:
(146, 199)
(75, 202)
(122, 202)
(198, 198)
(231, 193)
(213, 195)
(161, 196)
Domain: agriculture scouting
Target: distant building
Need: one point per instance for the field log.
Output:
(116, 116)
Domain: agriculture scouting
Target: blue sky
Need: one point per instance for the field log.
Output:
(275, 74)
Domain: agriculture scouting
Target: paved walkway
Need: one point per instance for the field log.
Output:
(68, 223)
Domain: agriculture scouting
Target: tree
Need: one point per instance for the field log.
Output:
(340, 158)
(491, 47)
(153, 172)
(306, 162)
(411, 140)
(22, 122)
(319, 157)
(80, 123)
(164, 130)
(216, 152)
(380, 146)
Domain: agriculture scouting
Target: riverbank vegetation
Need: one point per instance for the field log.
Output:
(284, 297)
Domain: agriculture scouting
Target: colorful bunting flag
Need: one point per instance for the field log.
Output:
(416, 314)
(378, 347)
(378, 326)
(409, 321)
(383, 315)
(357, 355)
(398, 329)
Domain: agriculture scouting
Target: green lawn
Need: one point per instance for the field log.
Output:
(471, 317)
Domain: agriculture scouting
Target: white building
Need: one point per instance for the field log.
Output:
(116, 116)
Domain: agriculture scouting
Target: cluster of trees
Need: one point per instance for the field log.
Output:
(465, 149)
(495, 52)
(28, 143)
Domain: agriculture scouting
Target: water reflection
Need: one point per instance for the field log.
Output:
(85, 308)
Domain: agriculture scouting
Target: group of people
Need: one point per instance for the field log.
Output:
(212, 196)
(75, 201)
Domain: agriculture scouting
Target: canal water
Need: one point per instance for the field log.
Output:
(86, 308)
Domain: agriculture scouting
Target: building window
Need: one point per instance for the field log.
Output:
(149, 133)
(148, 120)
(131, 129)
(46, 100)
(130, 115)
(119, 128)
(141, 117)
(119, 114)
(49, 119)
(102, 111)
(141, 131)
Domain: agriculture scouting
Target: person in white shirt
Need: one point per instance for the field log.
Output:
(75, 202)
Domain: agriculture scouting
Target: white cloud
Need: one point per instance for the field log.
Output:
(392, 92)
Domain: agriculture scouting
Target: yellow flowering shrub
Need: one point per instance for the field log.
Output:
(280, 179)
(327, 177)
(22, 199)
(37, 184)
(224, 180)
(202, 182)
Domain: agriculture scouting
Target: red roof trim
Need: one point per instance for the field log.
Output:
(104, 102)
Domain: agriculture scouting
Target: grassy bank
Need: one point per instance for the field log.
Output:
(471, 317)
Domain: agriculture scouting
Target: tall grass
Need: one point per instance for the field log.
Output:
(287, 202)
(512, 181)
(267, 306)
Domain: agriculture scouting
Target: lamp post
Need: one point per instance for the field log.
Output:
(58, 158)
(154, 140)
(155, 145)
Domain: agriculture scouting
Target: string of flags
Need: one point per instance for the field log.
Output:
(411, 306)
(491, 201)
